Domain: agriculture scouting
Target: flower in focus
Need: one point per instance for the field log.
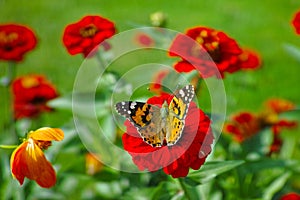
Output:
(85, 35)
(223, 52)
(157, 86)
(31, 94)
(15, 41)
(28, 159)
(290, 196)
(296, 22)
(190, 151)
(92, 163)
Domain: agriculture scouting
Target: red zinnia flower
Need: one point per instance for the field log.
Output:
(157, 85)
(246, 61)
(279, 105)
(86, 34)
(296, 22)
(290, 196)
(15, 41)
(243, 126)
(31, 94)
(144, 40)
(28, 159)
(224, 52)
(190, 151)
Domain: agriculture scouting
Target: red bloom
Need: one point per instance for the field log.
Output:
(243, 126)
(296, 22)
(157, 84)
(15, 41)
(31, 94)
(223, 52)
(279, 105)
(246, 60)
(85, 35)
(190, 151)
(290, 196)
(144, 40)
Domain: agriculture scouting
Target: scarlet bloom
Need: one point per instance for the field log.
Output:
(296, 22)
(157, 84)
(223, 52)
(248, 60)
(15, 41)
(290, 196)
(242, 126)
(85, 35)
(31, 94)
(144, 40)
(190, 151)
(28, 159)
(92, 163)
(279, 105)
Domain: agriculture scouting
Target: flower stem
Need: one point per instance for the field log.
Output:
(8, 146)
(190, 193)
(101, 61)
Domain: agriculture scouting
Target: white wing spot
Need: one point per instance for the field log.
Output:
(181, 92)
(132, 105)
(129, 112)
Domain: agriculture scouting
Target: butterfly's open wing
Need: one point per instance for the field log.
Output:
(178, 108)
(146, 118)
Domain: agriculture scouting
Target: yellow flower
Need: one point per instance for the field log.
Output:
(93, 165)
(28, 159)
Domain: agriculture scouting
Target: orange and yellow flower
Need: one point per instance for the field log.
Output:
(28, 159)
(92, 163)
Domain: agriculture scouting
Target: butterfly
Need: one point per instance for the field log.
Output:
(159, 126)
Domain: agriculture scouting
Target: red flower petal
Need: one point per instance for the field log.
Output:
(15, 41)
(85, 35)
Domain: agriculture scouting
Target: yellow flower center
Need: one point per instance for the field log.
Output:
(29, 82)
(6, 38)
(88, 31)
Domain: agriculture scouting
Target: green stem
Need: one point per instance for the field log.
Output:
(8, 146)
(190, 193)
(101, 61)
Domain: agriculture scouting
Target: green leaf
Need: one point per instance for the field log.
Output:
(293, 51)
(259, 143)
(210, 170)
(267, 163)
(276, 185)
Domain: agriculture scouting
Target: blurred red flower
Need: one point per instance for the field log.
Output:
(296, 22)
(28, 159)
(85, 35)
(144, 40)
(157, 84)
(190, 151)
(290, 196)
(31, 94)
(243, 125)
(248, 60)
(224, 54)
(15, 41)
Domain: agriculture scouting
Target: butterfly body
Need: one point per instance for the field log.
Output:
(159, 125)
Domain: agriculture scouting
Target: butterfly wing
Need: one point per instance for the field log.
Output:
(146, 118)
(178, 108)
